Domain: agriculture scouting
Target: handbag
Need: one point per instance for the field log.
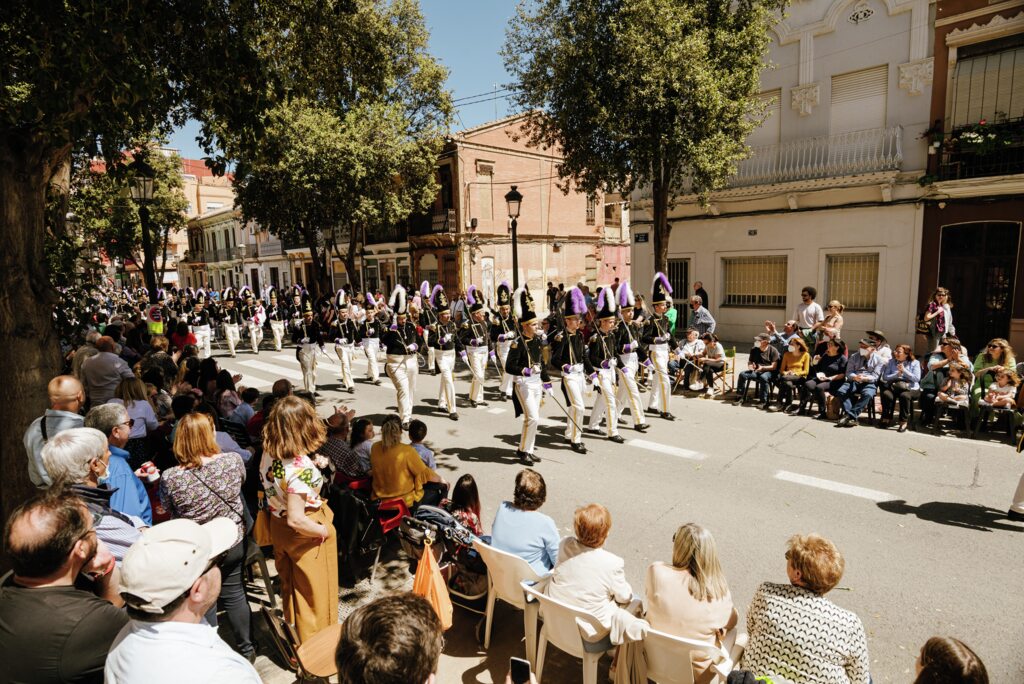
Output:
(922, 326)
(261, 526)
(429, 583)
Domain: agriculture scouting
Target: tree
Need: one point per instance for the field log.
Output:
(358, 153)
(639, 93)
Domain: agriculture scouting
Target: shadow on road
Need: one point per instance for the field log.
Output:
(967, 516)
(482, 454)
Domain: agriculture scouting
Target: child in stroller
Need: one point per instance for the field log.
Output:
(451, 543)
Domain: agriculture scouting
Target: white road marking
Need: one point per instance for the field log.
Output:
(272, 369)
(496, 411)
(290, 358)
(833, 486)
(253, 381)
(666, 449)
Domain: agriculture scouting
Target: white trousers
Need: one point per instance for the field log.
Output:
(574, 383)
(478, 367)
(661, 388)
(604, 406)
(255, 336)
(446, 392)
(344, 352)
(306, 354)
(507, 379)
(202, 333)
(402, 370)
(431, 352)
(231, 336)
(1018, 497)
(628, 395)
(371, 345)
(277, 330)
(529, 390)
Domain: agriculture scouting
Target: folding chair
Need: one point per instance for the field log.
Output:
(727, 376)
(388, 523)
(310, 659)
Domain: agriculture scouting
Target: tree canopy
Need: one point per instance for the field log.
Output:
(641, 93)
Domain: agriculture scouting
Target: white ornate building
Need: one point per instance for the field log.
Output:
(830, 197)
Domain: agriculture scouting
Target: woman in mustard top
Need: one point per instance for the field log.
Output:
(398, 470)
(793, 372)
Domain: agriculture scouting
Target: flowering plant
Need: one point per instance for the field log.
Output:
(982, 139)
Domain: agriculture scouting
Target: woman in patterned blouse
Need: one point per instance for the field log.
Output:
(795, 632)
(206, 485)
(305, 545)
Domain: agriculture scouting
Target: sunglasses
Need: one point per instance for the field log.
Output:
(130, 423)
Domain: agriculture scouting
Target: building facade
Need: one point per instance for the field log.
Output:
(974, 208)
(830, 196)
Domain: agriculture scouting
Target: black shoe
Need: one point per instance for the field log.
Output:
(503, 397)
(642, 427)
(472, 403)
(1015, 516)
(351, 390)
(591, 430)
(481, 403)
(578, 447)
(770, 408)
(792, 408)
(453, 415)
(667, 416)
(534, 458)
(843, 420)
(377, 381)
(618, 439)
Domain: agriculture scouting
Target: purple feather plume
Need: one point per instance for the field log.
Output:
(425, 288)
(664, 282)
(577, 301)
(471, 295)
(433, 295)
(626, 297)
(601, 297)
(507, 286)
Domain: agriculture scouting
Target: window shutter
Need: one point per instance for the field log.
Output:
(987, 85)
(859, 100)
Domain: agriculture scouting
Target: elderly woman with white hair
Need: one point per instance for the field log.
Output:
(79, 458)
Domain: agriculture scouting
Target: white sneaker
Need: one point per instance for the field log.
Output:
(710, 392)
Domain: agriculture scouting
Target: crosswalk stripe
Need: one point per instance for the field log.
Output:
(833, 486)
(253, 381)
(290, 358)
(666, 449)
(496, 411)
(271, 368)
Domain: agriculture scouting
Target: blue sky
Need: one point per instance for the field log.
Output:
(465, 35)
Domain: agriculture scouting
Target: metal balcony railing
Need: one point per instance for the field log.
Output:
(437, 223)
(867, 151)
(980, 150)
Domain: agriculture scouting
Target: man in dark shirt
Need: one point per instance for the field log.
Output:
(761, 369)
(58, 616)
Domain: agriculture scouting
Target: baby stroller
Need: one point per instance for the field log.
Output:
(452, 546)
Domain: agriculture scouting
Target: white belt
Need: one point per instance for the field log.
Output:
(628, 359)
(575, 368)
(528, 380)
(660, 346)
(478, 349)
(200, 328)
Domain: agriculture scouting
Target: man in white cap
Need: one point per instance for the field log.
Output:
(169, 580)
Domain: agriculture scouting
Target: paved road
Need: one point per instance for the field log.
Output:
(919, 518)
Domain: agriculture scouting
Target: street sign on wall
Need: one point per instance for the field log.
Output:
(640, 237)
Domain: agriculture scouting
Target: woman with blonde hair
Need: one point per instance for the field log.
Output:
(305, 544)
(207, 484)
(998, 356)
(690, 598)
(131, 393)
(398, 470)
(832, 325)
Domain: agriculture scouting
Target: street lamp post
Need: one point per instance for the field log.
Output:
(241, 255)
(141, 187)
(514, 199)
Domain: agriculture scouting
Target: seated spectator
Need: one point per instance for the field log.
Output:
(157, 359)
(465, 504)
(796, 363)
(67, 396)
(418, 433)
(337, 449)
(882, 347)
(587, 576)
(687, 354)
(181, 337)
(184, 404)
(255, 425)
(826, 375)
(59, 609)
(362, 439)
(690, 598)
(712, 362)
(129, 494)
(780, 340)
(946, 660)
(862, 373)
(998, 355)
(131, 393)
(396, 639)
(244, 412)
(84, 352)
(761, 367)
(1003, 393)
(102, 372)
(226, 397)
(521, 529)
(80, 458)
(170, 579)
(954, 393)
(901, 382)
(795, 632)
(398, 470)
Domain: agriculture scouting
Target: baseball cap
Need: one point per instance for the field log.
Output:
(762, 337)
(169, 558)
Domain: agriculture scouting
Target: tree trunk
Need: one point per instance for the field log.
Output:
(350, 259)
(29, 352)
(662, 228)
(163, 259)
(148, 259)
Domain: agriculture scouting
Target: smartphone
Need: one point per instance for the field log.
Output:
(520, 670)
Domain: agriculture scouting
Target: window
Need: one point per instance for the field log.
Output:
(988, 81)
(770, 131)
(591, 210)
(853, 280)
(859, 100)
(755, 281)
(612, 214)
(484, 191)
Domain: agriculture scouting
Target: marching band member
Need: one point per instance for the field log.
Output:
(475, 339)
(446, 344)
(346, 336)
(531, 377)
(254, 316)
(503, 331)
(400, 341)
(230, 319)
(630, 354)
(602, 357)
(570, 353)
(428, 322)
(657, 336)
(277, 315)
(200, 321)
(370, 332)
(308, 337)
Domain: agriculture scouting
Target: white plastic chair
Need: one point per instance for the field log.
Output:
(505, 572)
(570, 629)
(668, 658)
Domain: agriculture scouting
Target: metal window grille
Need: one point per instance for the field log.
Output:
(853, 280)
(591, 211)
(755, 281)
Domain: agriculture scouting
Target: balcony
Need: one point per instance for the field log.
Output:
(980, 150)
(220, 254)
(846, 154)
(271, 248)
(381, 234)
(440, 222)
